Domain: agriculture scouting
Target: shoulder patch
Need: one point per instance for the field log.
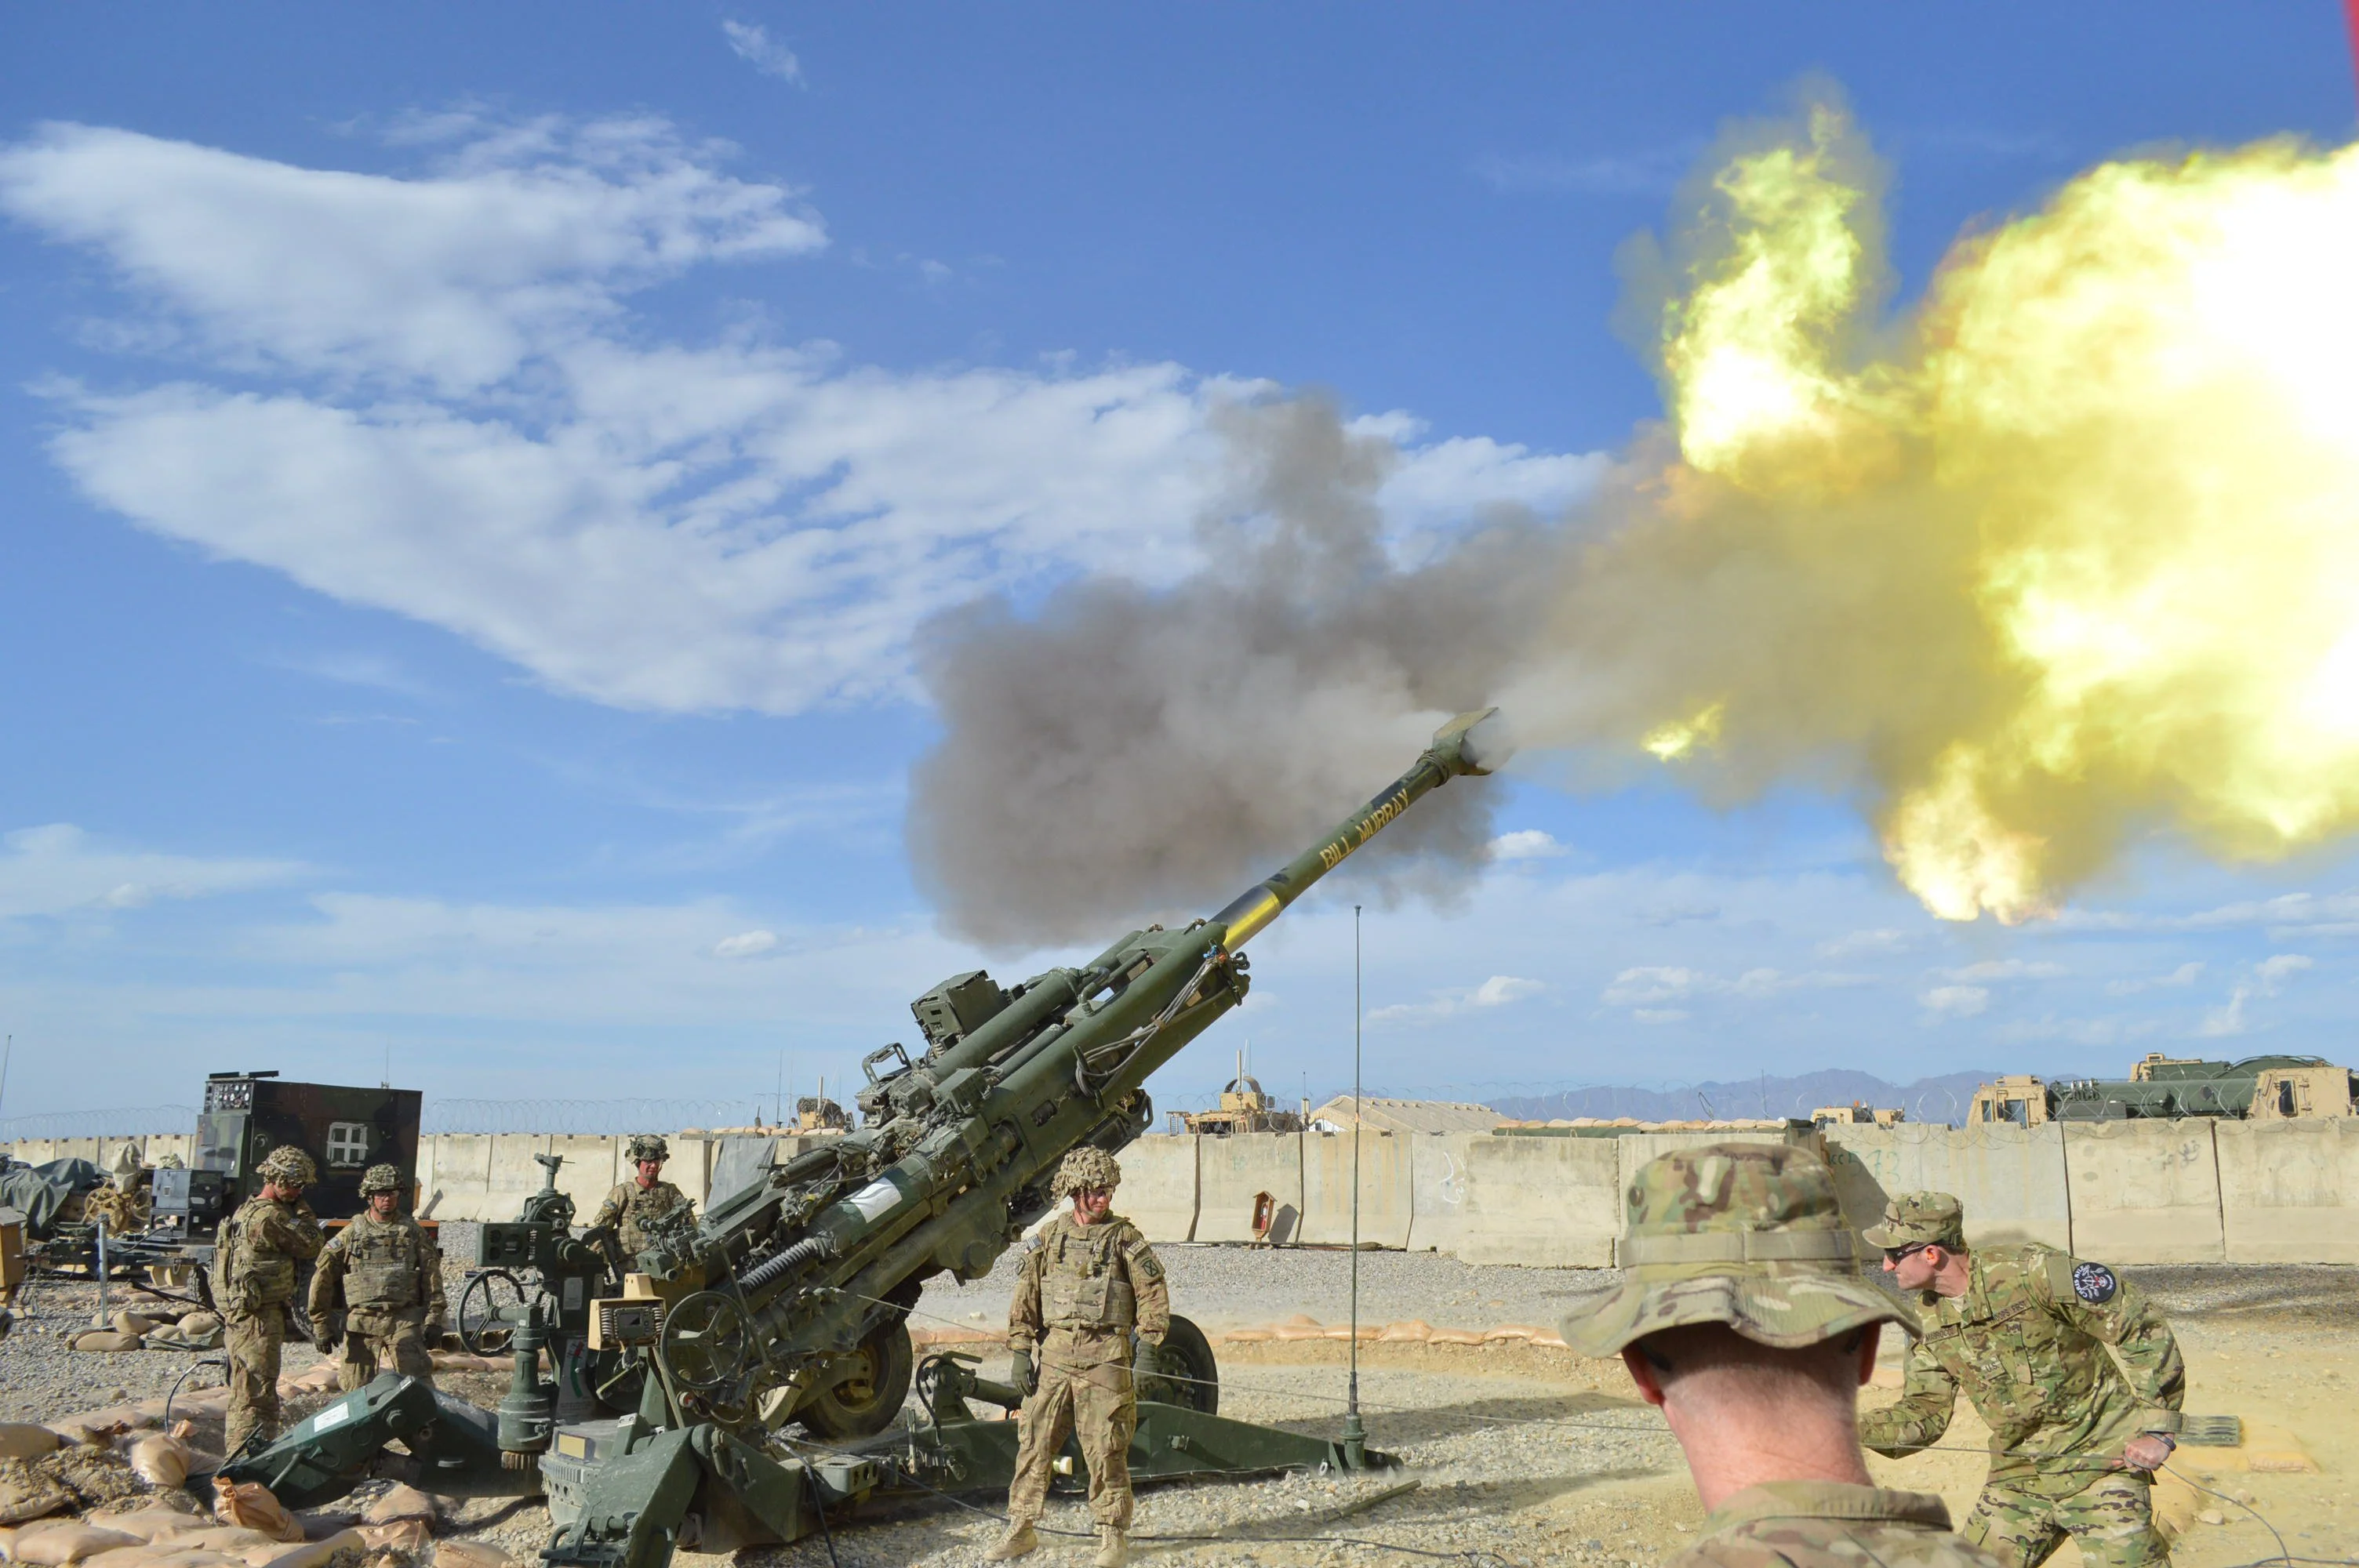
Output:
(2094, 1284)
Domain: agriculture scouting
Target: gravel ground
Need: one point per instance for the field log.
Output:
(1516, 1455)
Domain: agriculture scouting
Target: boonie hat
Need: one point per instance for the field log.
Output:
(1921, 1219)
(1750, 1235)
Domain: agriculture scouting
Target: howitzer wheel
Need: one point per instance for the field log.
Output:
(485, 1326)
(703, 1342)
(1187, 1374)
(865, 1404)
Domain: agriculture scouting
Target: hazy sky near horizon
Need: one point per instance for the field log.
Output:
(472, 477)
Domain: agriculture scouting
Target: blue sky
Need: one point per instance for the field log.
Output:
(472, 479)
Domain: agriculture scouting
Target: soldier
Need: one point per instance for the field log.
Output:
(1746, 1318)
(1088, 1281)
(258, 1250)
(2023, 1330)
(382, 1278)
(636, 1209)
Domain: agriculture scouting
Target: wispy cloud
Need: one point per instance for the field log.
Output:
(2006, 969)
(1651, 985)
(747, 945)
(2182, 976)
(751, 42)
(1499, 990)
(2267, 979)
(1955, 1001)
(373, 672)
(1882, 940)
(431, 398)
(59, 870)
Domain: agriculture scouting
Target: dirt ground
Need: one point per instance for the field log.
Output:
(1527, 1456)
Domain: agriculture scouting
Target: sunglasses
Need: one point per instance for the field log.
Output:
(1894, 1255)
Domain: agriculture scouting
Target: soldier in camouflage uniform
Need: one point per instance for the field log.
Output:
(1090, 1282)
(1744, 1317)
(2023, 1330)
(636, 1209)
(256, 1255)
(382, 1278)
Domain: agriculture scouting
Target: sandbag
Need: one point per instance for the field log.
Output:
(138, 1556)
(160, 1461)
(224, 1540)
(411, 1536)
(23, 1440)
(104, 1339)
(311, 1554)
(153, 1524)
(67, 1543)
(27, 1494)
(128, 1321)
(469, 1554)
(402, 1502)
(250, 1504)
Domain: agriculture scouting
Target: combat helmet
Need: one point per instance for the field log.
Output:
(1085, 1167)
(1749, 1235)
(380, 1179)
(646, 1146)
(288, 1167)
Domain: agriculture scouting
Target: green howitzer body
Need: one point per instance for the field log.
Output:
(790, 1300)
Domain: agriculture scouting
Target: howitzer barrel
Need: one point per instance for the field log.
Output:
(1469, 743)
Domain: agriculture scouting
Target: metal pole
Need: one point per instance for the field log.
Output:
(1355, 1435)
(102, 1274)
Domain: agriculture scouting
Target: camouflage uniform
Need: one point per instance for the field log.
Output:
(2026, 1343)
(383, 1278)
(1751, 1235)
(635, 1213)
(259, 1249)
(1080, 1293)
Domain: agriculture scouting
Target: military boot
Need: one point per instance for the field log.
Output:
(1114, 1547)
(1018, 1542)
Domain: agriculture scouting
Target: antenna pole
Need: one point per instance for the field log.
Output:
(1355, 1435)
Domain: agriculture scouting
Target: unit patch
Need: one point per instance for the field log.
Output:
(2093, 1283)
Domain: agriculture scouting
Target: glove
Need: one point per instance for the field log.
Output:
(1026, 1373)
(323, 1332)
(1145, 1358)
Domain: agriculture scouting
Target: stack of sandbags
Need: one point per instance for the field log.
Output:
(194, 1330)
(54, 1544)
(402, 1521)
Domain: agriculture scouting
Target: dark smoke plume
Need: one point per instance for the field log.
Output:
(1129, 753)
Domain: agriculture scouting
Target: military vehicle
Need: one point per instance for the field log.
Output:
(788, 1306)
(1858, 1113)
(345, 1130)
(2165, 1087)
(1244, 1109)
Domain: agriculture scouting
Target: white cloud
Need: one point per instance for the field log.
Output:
(752, 43)
(468, 428)
(57, 870)
(1882, 940)
(2006, 969)
(2268, 977)
(1955, 1001)
(1649, 985)
(1499, 990)
(745, 945)
(1526, 844)
(2182, 976)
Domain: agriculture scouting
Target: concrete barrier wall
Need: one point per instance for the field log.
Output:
(1230, 1171)
(2145, 1191)
(2011, 1179)
(2130, 1193)
(1158, 1186)
(2289, 1190)
(1552, 1202)
(1387, 1197)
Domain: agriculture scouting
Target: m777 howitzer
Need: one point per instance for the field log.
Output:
(788, 1304)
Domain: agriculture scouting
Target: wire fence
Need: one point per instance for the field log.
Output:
(592, 1117)
(119, 1121)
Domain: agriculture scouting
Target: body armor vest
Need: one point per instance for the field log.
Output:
(255, 1279)
(1083, 1283)
(380, 1266)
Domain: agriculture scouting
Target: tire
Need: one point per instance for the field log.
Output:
(1192, 1379)
(867, 1405)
